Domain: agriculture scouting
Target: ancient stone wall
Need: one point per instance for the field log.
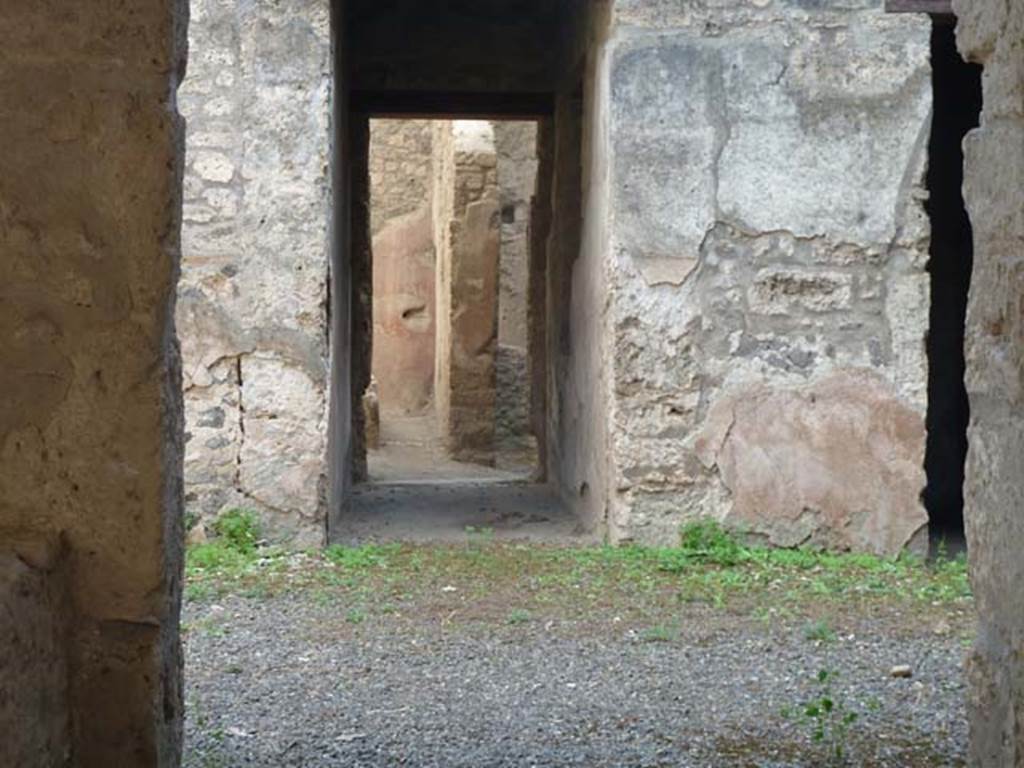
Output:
(252, 298)
(90, 412)
(516, 145)
(400, 168)
(767, 270)
(992, 33)
(729, 303)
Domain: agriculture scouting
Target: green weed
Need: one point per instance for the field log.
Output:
(198, 591)
(819, 632)
(218, 556)
(481, 535)
(519, 616)
(355, 615)
(231, 553)
(238, 530)
(830, 719)
(705, 541)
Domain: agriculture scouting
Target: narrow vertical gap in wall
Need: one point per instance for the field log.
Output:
(957, 107)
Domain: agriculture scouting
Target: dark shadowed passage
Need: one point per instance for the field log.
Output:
(957, 106)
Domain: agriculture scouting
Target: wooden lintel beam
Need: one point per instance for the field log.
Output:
(936, 7)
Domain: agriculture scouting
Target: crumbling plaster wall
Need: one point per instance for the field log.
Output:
(767, 268)
(991, 32)
(252, 299)
(90, 412)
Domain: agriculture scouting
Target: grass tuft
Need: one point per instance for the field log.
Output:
(361, 558)
(239, 530)
(233, 552)
(705, 541)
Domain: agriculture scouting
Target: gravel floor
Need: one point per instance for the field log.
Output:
(289, 681)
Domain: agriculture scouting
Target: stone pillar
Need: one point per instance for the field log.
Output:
(516, 144)
(253, 294)
(768, 271)
(991, 33)
(467, 241)
(91, 412)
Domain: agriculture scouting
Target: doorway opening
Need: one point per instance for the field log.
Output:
(448, 307)
(449, 395)
(448, 304)
(957, 108)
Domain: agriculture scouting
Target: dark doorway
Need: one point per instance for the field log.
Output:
(957, 106)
